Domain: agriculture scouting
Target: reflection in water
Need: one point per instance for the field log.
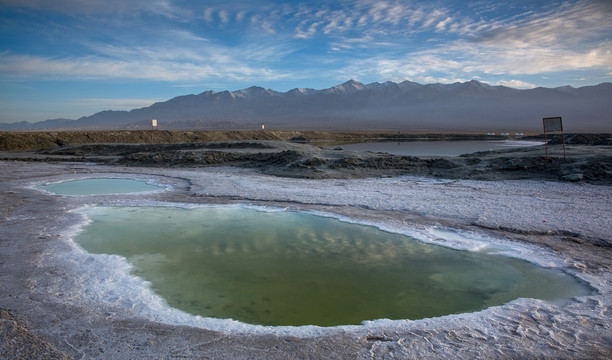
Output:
(293, 268)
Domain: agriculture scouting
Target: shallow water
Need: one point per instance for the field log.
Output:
(99, 186)
(294, 268)
(438, 148)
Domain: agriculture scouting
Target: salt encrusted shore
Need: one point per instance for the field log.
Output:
(54, 307)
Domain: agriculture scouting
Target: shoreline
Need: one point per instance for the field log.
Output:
(584, 158)
(38, 140)
(34, 292)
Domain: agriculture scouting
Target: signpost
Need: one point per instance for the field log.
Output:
(553, 124)
(154, 124)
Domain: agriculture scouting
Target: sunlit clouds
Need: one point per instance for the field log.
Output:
(284, 45)
(576, 33)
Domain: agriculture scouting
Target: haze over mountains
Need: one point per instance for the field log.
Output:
(406, 106)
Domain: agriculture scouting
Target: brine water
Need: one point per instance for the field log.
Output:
(297, 268)
(439, 148)
(99, 186)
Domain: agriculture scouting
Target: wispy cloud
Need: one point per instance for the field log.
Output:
(224, 17)
(306, 30)
(143, 68)
(371, 38)
(441, 26)
(115, 104)
(468, 60)
(535, 60)
(208, 15)
(561, 39)
(567, 25)
(98, 7)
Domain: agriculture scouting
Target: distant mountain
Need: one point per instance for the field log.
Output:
(407, 106)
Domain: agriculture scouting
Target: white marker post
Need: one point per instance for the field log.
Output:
(154, 124)
(553, 124)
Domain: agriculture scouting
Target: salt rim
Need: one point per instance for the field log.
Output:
(145, 179)
(141, 302)
(107, 279)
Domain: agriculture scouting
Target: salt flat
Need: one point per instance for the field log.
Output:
(62, 302)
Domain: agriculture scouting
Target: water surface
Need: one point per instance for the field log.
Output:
(438, 148)
(294, 268)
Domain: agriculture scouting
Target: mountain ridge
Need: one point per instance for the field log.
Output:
(471, 105)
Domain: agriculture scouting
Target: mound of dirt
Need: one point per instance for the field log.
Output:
(11, 141)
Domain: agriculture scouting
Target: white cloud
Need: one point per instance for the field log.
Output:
(441, 26)
(570, 36)
(567, 25)
(417, 65)
(208, 15)
(438, 79)
(268, 27)
(224, 17)
(368, 17)
(96, 7)
(197, 85)
(338, 22)
(307, 33)
(94, 68)
(563, 39)
(114, 104)
(516, 84)
(534, 60)
(468, 60)
(433, 17)
(240, 16)
(143, 68)
(177, 34)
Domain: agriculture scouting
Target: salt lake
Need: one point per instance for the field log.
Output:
(271, 267)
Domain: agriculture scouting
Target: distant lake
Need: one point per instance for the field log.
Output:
(439, 148)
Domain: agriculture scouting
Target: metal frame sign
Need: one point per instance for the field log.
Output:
(553, 124)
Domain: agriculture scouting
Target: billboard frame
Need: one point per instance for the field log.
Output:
(550, 124)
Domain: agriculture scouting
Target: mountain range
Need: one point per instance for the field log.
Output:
(407, 106)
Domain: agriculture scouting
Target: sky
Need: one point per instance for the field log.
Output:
(73, 58)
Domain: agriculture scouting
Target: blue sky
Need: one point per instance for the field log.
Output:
(71, 58)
